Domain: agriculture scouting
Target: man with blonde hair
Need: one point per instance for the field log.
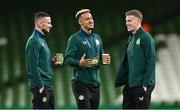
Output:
(137, 69)
(83, 53)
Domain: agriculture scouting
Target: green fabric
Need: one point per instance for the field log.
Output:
(138, 64)
(38, 61)
(76, 48)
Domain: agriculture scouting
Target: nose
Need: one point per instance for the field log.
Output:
(91, 20)
(126, 23)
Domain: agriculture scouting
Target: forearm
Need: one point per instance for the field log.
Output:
(71, 61)
(36, 77)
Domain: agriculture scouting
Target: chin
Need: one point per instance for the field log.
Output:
(46, 31)
(91, 27)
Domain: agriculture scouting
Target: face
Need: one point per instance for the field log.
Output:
(132, 23)
(45, 24)
(86, 21)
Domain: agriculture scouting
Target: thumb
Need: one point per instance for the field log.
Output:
(83, 56)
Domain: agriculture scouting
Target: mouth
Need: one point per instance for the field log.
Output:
(91, 24)
(128, 27)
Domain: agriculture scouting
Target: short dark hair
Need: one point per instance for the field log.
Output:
(39, 15)
(135, 13)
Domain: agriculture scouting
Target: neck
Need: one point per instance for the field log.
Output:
(39, 30)
(136, 29)
(88, 31)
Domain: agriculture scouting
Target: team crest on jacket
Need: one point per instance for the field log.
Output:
(81, 97)
(44, 99)
(138, 42)
(97, 42)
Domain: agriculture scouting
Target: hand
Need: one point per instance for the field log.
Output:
(54, 60)
(41, 90)
(145, 88)
(85, 62)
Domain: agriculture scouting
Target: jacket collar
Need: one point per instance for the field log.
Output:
(39, 34)
(138, 32)
(86, 34)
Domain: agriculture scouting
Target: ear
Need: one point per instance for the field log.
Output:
(80, 21)
(40, 23)
(139, 20)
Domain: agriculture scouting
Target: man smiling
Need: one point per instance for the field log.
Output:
(137, 69)
(83, 53)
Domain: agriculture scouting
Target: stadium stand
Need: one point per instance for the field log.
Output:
(16, 25)
(168, 71)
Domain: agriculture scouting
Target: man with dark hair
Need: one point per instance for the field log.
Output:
(38, 62)
(84, 50)
(137, 69)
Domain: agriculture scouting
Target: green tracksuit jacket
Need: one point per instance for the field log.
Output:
(78, 44)
(139, 60)
(38, 61)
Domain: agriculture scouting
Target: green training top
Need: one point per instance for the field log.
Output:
(38, 61)
(79, 44)
(139, 61)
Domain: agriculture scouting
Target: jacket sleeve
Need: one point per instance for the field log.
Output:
(148, 46)
(33, 62)
(71, 52)
(122, 75)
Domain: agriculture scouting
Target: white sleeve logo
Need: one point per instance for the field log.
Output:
(97, 42)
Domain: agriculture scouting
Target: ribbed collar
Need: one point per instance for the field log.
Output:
(139, 31)
(37, 32)
(86, 34)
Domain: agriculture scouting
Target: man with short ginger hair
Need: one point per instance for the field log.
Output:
(137, 68)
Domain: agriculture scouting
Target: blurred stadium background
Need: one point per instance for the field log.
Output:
(161, 19)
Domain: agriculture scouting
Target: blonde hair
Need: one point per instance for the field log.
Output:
(80, 12)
